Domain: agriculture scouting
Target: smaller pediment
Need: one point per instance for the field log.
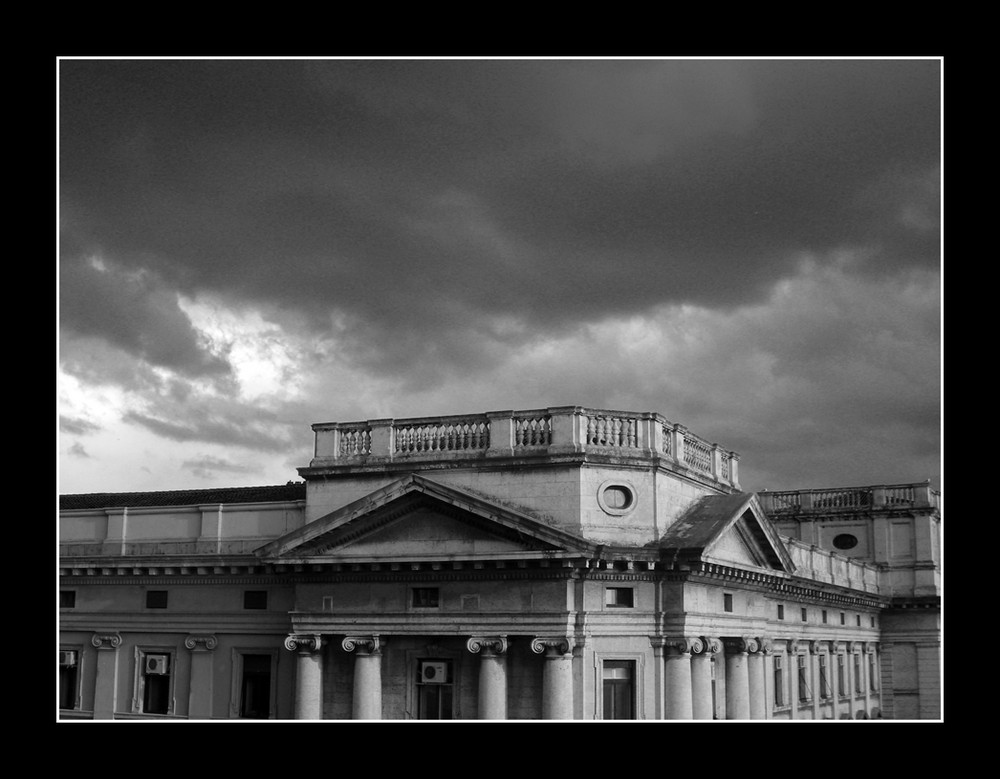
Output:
(727, 529)
(417, 518)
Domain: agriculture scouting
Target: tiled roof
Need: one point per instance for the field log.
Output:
(103, 500)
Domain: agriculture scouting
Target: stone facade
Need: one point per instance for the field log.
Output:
(562, 563)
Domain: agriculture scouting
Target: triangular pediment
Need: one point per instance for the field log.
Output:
(730, 530)
(418, 519)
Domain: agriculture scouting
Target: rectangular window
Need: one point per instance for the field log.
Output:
(619, 689)
(842, 619)
(156, 599)
(779, 682)
(873, 621)
(781, 611)
(824, 681)
(727, 602)
(255, 687)
(67, 599)
(426, 597)
(805, 614)
(803, 679)
(858, 620)
(857, 674)
(824, 616)
(69, 677)
(435, 689)
(841, 686)
(619, 597)
(154, 682)
(255, 599)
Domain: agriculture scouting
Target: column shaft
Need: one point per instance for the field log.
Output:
(737, 686)
(557, 687)
(106, 684)
(701, 686)
(492, 687)
(756, 684)
(367, 686)
(679, 702)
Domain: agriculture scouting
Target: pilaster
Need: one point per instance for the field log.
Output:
(200, 696)
(106, 683)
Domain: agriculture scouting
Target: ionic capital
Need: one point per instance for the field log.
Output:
(201, 643)
(706, 646)
(551, 647)
(371, 645)
(815, 646)
(855, 646)
(735, 645)
(106, 640)
(488, 645)
(304, 643)
(675, 646)
(753, 645)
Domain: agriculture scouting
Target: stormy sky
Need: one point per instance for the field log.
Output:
(750, 247)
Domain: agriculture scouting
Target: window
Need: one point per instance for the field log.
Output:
(857, 674)
(803, 679)
(779, 682)
(727, 602)
(156, 599)
(781, 611)
(69, 678)
(805, 614)
(872, 621)
(858, 619)
(845, 541)
(435, 689)
(619, 597)
(255, 599)
(841, 686)
(619, 689)
(67, 599)
(824, 616)
(425, 597)
(255, 687)
(155, 672)
(824, 681)
(843, 619)
(616, 498)
(872, 672)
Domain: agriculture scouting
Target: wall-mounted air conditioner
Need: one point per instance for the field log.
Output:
(67, 657)
(156, 665)
(433, 672)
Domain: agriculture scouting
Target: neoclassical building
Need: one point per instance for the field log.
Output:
(560, 563)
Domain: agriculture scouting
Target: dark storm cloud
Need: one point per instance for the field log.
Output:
(76, 426)
(208, 467)
(219, 423)
(418, 198)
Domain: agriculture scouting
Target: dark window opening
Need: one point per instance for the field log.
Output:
(425, 597)
(727, 601)
(619, 597)
(805, 614)
(779, 682)
(435, 690)
(619, 689)
(843, 619)
(68, 675)
(255, 691)
(67, 599)
(255, 599)
(781, 611)
(824, 616)
(156, 599)
(803, 679)
(156, 683)
(824, 684)
(845, 541)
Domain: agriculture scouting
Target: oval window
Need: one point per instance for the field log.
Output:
(845, 541)
(618, 497)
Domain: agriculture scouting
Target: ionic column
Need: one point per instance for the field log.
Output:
(106, 684)
(557, 677)
(756, 661)
(815, 650)
(679, 703)
(367, 703)
(492, 675)
(308, 674)
(702, 651)
(200, 696)
(737, 681)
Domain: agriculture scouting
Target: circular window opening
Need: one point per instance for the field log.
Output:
(616, 497)
(845, 541)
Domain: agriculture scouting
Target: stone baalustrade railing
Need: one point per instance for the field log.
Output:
(824, 566)
(885, 496)
(535, 432)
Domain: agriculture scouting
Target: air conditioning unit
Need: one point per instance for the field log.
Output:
(433, 672)
(156, 665)
(67, 657)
